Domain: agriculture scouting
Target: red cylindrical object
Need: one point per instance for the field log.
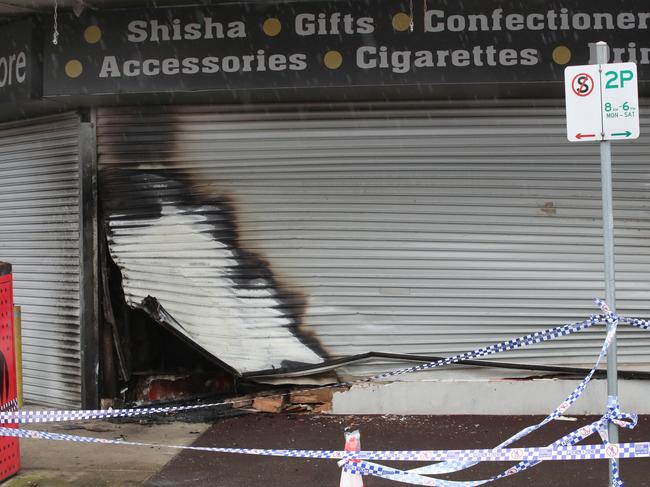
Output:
(9, 447)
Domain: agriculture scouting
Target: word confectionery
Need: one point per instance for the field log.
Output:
(498, 20)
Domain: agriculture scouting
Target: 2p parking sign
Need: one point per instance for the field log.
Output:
(620, 104)
(602, 102)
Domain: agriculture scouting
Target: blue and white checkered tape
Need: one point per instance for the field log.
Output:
(553, 452)
(452, 460)
(613, 415)
(449, 467)
(50, 416)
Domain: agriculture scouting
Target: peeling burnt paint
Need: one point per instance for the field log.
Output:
(177, 246)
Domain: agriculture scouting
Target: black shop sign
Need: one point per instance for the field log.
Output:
(336, 44)
(20, 78)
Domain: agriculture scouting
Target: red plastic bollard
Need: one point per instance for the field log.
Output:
(9, 447)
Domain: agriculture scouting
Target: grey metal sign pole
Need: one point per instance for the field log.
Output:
(608, 248)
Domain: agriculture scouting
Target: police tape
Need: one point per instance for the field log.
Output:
(50, 416)
(451, 460)
(564, 450)
(358, 462)
(613, 415)
(449, 467)
(550, 453)
(532, 456)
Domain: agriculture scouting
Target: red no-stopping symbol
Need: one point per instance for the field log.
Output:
(583, 84)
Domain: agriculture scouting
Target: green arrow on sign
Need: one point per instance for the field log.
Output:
(627, 133)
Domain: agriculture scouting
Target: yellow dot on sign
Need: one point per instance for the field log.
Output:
(92, 34)
(401, 22)
(73, 68)
(333, 59)
(272, 27)
(561, 55)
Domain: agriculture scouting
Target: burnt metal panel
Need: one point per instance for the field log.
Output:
(39, 235)
(422, 230)
(187, 255)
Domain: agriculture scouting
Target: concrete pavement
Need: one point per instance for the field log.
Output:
(58, 464)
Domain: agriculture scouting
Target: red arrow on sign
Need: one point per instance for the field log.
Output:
(584, 136)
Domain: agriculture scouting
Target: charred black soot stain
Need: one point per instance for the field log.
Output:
(136, 145)
(136, 194)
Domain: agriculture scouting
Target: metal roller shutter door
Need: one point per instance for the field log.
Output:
(39, 236)
(416, 231)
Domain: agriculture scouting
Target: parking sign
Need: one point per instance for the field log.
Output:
(582, 93)
(620, 103)
(602, 102)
